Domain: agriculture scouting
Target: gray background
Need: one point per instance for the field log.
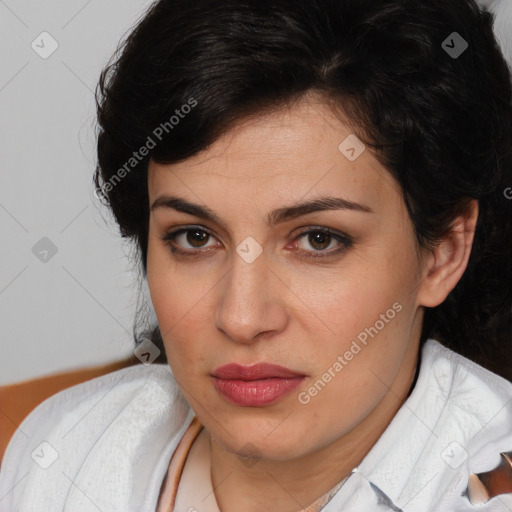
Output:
(74, 308)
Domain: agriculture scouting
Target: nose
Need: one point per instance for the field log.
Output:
(251, 301)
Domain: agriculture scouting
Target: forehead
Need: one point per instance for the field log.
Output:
(289, 154)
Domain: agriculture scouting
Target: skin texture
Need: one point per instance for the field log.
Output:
(288, 309)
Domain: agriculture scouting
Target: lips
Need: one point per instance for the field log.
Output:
(255, 372)
(257, 385)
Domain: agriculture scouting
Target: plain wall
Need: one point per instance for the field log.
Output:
(76, 308)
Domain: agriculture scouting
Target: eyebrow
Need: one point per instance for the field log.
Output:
(274, 217)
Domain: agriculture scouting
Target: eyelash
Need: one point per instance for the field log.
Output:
(345, 242)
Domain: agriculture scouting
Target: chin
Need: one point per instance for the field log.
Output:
(254, 445)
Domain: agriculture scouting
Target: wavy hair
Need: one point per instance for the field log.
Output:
(440, 123)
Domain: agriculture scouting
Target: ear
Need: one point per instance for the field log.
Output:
(444, 265)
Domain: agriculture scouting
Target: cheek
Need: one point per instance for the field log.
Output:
(355, 368)
(382, 274)
(169, 295)
(173, 291)
(370, 314)
(174, 317)
(367, 290)
(181, 307)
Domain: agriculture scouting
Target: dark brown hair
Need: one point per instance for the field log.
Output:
(441, 123)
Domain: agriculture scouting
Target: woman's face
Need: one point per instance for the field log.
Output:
(339, 309)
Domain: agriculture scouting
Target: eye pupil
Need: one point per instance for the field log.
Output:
(195, 237)
(319, 238)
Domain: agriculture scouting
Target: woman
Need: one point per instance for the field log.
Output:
(318, 194)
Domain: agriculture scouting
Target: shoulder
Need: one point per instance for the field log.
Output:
(468, 411)
(471, 403)
(462, 378)
(106, 423)
(457, 421)
(102, 397)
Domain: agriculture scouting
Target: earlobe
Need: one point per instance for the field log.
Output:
(446, 263)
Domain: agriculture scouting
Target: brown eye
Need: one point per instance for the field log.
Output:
(185, 240)
(196, 237)
(319, 240)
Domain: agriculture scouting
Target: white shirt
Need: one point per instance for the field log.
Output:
(113, 438)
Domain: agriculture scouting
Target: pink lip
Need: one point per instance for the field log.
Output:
(254, 372)
(256, 385)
